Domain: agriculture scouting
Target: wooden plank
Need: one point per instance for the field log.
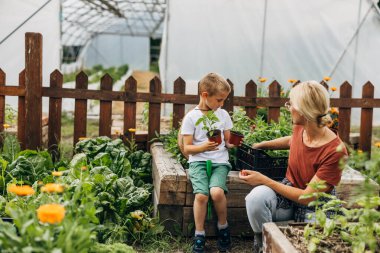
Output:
(80, 113)
(33, 90)
(345, 114)
(12, 91)
(251, 92)
(21, 112)
(366, 120)
(236, 217)
(274, 92)
(154, 110)
(178, 109)
(2, 102)
(55, 113)
(130, 107)
(274, 241)
(229, 103)
(105, 114)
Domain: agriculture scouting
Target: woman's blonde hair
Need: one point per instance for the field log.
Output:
(312, 100)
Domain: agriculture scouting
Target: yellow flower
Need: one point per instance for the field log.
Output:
(6, 126)
(138, 214)
(83, 138)
(132, 130)
(333, 88)
(57, 173)
(262, 79)
(282, 93)
(50, 187)
(292, 80)
(326, 78)
(333, 110)
(377, 144)
(83, 168)
(51, 213)
(21, 190)
(117, 132)
(360, 151)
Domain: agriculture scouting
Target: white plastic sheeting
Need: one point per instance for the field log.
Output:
(116, 50)
(279, 40)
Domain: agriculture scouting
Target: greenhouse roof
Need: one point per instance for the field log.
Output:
(84, 19)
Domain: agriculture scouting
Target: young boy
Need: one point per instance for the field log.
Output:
(214, 90)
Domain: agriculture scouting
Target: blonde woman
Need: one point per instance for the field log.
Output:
(313, 157)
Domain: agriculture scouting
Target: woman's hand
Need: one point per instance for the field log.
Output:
(253, 177)
(210, 146)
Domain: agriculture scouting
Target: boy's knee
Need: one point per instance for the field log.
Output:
(217, 194)
(201, 198)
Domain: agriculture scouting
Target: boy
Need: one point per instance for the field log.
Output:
(214, 90)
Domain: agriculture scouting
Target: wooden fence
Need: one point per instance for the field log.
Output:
(30, 92)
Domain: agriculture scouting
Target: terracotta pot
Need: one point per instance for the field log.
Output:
(235, 138)
(216, 136)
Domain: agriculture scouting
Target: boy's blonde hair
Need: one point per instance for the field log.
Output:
(213, 83)
(312, 100)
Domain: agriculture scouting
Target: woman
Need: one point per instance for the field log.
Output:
(313, 157)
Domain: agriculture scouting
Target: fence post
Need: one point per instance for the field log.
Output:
(33, 90)
(129, 107)
(154, 110)
(2, 105)
(366, 118)
(105, 113)
(345, 113)
(251, 92)
(178, 109)
(80, 113)
(229, 103)
(274, 93)
(55, 113)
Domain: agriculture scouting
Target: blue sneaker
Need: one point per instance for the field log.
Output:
(224, 240)
(199, 244)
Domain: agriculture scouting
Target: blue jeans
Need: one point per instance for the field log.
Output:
(261, 205)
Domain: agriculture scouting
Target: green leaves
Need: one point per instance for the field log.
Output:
(208, 120)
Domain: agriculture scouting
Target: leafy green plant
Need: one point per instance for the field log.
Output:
(208, 120)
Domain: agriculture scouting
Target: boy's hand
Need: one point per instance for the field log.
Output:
(210, 146)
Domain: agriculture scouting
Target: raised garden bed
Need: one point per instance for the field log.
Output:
(173, 197)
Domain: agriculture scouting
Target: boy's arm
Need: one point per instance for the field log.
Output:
(279, 143)
(191, 149)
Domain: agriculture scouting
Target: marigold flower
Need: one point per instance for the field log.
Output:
(83, 168)
(333, 88)
(21, 190)
(377, 144)
(51, 213)
(292, 80)
(132, 130)
(57, 173)
(6, 126)
(138, 214)
(83, 138)
(360, 151)
(326, 78)
(333, 110)
(51, 187)
(262, 79)
(117, 132)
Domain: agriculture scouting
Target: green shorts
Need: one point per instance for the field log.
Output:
(199, 179)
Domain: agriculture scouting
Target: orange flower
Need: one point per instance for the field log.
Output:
(51, 213)
(50, 187)
(57, 173)
(333, 88)
(21, 190)
(83, 168)
(132, 130)
(292, 80)
(333, 110)
(377, 144)
(262, 79)
(6, 126)
(117, 132)
(326, 78)
(83, 138)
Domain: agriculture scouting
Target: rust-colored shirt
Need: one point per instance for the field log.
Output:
(305, 162)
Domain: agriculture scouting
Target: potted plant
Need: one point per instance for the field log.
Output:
(236, 135)
(209, 119)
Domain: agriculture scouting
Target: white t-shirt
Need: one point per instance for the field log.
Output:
(199, 135)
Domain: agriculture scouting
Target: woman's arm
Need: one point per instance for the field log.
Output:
(190, 149)
(256, 178)
(279, 143)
